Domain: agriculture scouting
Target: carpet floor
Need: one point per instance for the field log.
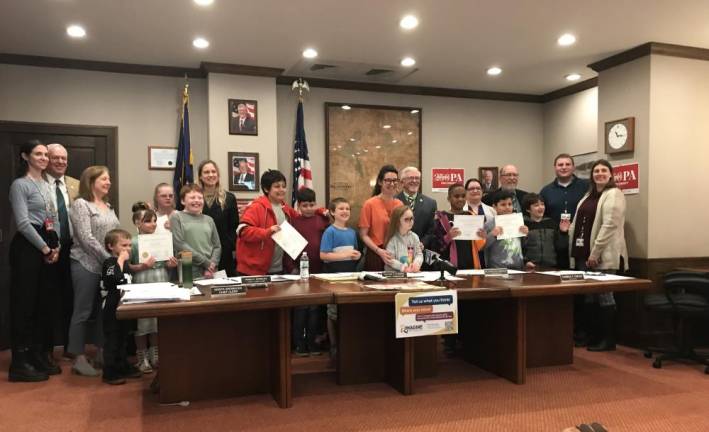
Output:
(618, 389)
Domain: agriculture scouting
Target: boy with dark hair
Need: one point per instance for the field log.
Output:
(258, 253)
(545, 237)
(505, 253)
(311, 222)
(116, 367)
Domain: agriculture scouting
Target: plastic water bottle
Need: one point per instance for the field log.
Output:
(304, 266)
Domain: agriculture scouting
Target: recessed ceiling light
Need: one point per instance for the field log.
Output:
(378, 147)
(409, 133)
(352, 139)
(310, 53)
(204, 2)
(346, 107)
(566, 39)
(573, 77)
(414, 111)
(494, 71)
(200, 43)
(75, 31)
(408, 62)
(386, 126)
(409, 22)
(394, 141)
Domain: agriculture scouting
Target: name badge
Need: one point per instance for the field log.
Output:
(579, 242)
(566, 216)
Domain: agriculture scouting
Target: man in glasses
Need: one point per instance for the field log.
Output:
(424, 207)
(509, 177)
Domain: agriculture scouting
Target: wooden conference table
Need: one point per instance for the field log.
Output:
(240, 345)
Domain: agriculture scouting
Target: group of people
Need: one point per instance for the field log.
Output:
(72, 238)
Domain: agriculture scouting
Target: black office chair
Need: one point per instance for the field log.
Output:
(686, 298)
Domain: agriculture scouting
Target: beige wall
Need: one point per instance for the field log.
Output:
(145, 109)
(624, 91)
(679, 144)
(460, 133)
(570, 126)
(223, 87)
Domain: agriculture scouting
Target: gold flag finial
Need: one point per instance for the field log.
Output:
(302, 86)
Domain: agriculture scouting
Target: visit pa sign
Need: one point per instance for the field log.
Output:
(626, 178)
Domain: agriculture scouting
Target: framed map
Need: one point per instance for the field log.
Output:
(359, 139)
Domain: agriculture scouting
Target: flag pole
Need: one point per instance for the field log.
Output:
(302, 173)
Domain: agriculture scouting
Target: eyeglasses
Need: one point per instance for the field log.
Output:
(510, 175)
(408, 219)
(390, 181)
(474, 189)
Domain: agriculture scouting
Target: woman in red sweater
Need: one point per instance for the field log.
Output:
(257, 253)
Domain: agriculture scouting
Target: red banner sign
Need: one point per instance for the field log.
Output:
(627, 178)
(442, 178)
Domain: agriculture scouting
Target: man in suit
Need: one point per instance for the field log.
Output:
(65, 189)
(244, 177)
(243, 121)
(487, 181)
(424, 208)
(509, 177)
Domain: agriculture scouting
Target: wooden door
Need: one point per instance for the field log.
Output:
(86, 146)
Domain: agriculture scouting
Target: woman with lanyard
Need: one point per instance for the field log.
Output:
(35, 245)
(597, 242)
(92, 217)
(164, 202)
(374, 217)
(474, 205)
(221, 206)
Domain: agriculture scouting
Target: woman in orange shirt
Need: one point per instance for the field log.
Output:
(374, 217)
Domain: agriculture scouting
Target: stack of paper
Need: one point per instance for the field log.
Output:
(153, 292)
(333, 277)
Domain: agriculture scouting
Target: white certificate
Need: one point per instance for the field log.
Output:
(469, 226)
(159, 246)
(290, 240)
(510, 224)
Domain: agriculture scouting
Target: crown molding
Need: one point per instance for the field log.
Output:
(650, 48)
(566, 91)
(237, 69)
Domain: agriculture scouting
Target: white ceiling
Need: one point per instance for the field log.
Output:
(453, 45)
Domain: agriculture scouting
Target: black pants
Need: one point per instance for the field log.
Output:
(115, 334)
(306, 324)
(61, 296)
(30, 324)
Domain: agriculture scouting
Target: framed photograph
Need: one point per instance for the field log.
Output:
(359, 140)
(583, 164)
(244, 172)
(488, 178)
(243, 117)
(162, 158)
(241, 204)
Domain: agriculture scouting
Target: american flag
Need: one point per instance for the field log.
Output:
(302, 175)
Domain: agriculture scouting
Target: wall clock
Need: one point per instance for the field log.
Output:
(620, 135)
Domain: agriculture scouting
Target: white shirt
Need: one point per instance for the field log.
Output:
(53, 187)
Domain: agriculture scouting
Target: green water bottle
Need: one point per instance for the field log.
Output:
(186, 258)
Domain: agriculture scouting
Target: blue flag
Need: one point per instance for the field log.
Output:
(302, 174)
(183, 164)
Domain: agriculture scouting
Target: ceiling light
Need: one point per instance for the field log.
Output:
(573, 77)
(200, 43)
(346, 107)
(414, 111)
(386, 126)
(494, 71)
(310, 53)
(409, 22)
(204, 2)
(394, 141)
(352, 139)
(76, 31)
(378, 147)
(408, 62)
(566, 39)
(409, 133)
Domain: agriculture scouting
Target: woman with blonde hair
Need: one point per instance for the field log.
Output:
(92, 217)
(221, 206)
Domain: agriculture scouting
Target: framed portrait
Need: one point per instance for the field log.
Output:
(244, 172)
(162, 158)
(359, 140)
(488, 177)
(243, 117)
(583, 163)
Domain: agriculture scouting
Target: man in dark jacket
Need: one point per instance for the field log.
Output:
(424, 208)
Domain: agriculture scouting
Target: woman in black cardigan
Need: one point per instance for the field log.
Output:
(220, 205)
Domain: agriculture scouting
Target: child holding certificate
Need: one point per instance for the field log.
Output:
(465, 254)
(402, 243)
(504, 253)
(147, 271)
